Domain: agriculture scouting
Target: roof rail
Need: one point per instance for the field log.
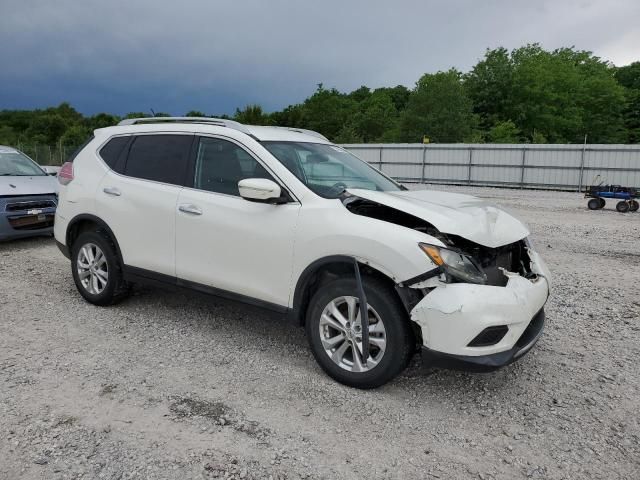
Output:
(214, 121)
(308, 132)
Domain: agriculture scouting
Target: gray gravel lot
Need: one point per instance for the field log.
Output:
(174, 385)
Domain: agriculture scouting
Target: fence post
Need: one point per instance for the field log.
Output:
(524, 154)
(470, 160)
(380, 159)
(580, 178)
(424, 158)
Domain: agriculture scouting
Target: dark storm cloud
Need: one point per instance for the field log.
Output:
(214, 55)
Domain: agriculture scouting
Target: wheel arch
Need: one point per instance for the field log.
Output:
(323, 270)
(86, 222)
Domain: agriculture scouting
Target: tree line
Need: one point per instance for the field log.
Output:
(527, 95)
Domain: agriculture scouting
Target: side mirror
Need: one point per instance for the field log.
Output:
(260, 190)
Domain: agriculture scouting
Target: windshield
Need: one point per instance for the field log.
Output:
(329, 170)
(18, 164)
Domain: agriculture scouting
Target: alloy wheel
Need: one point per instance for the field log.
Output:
(93, 270)
(341, 334)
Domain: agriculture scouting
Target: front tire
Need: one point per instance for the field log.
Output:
(633, 206)
(96, 269)
(594, 204)
(334, 335)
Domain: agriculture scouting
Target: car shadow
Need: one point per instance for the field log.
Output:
(240, 320)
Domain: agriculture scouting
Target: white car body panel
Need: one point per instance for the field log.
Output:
(260, 250)
(143, 220)
(236, 245)
(453, 314)
(454, 213)
(326, 228)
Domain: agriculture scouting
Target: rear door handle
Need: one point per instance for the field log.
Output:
(190, 208)
(112, 191)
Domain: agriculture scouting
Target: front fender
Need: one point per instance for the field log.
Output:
(333, 233)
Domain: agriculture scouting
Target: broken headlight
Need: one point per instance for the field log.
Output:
(455, 264)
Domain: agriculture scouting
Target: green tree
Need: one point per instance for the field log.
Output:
(376, 115)
(561, 94)
(252, 115)
(629, 77)
(399, 96)
(327, 111)
(439, 108)
(47, 128)
(101, 120)
(291, 116)
(137, 115)
(489, 85)
(504, 132)
(75, 136)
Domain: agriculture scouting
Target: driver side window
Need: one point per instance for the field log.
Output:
(221, 164)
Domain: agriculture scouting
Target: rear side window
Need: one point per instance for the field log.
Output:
(112, 150)
(161, 158)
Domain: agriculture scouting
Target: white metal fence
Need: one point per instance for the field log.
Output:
(561, 167)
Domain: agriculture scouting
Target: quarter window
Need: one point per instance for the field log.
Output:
(161, 158)
(221, 164)
(112, 150)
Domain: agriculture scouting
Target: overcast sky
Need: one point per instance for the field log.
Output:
(214, 55)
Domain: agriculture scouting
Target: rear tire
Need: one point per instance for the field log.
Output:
(633, 206)
(602, 202)
(622, 207)
(334, 345)
(594, 204)
(97, 270)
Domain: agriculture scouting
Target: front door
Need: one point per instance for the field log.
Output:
(227, 242)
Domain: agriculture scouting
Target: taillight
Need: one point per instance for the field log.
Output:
(65, 175)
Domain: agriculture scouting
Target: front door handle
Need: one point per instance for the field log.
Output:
(190, 208)
(112, 191)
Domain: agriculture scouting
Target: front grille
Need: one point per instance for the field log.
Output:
(489, 336)
(31, 222)
(29, 205)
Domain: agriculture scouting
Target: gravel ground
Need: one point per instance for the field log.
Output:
(174, 386)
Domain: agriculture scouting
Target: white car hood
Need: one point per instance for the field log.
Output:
(463, 215)
(19, 185)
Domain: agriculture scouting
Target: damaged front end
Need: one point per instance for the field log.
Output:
(480, 307)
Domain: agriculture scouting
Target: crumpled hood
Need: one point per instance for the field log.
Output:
(456, 214)
(36, 185)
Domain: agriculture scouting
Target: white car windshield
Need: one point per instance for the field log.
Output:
(16, 164)
(329, 170)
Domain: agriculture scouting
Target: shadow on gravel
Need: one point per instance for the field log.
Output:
(288, 343)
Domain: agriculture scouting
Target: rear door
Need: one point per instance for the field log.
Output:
(138, 197)
(227, 242)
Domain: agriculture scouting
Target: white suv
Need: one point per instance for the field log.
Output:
(283, 219)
